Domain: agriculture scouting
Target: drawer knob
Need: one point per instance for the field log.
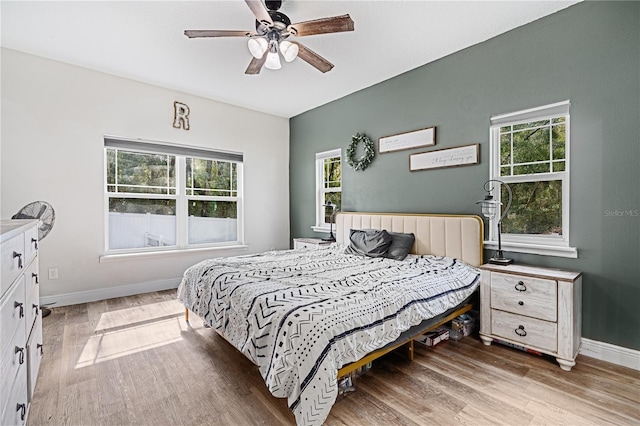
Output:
(40, 346)
(521, 303)
(19, 256)
(35, 243)
(21, 306)
(36, 308)
(34, 275)
(520, 286)
(520, 331)
(21, 356)
(23, 410)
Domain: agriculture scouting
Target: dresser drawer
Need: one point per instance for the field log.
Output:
(528, 331)
(13, 311)
(30, 244)
(32, 304)
(12, 261)
(15, 410)
(13, 356)
(35, 351)
(533, 297)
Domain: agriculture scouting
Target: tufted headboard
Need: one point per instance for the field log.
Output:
(458, 236)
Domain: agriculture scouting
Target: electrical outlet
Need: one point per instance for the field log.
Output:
(53, 273)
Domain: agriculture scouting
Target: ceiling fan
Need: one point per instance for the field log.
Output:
(273, 28)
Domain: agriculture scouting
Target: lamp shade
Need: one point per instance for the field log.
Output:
(257, 46)
(273, 61)
(490, 206)
(289, 50)
(491, 210)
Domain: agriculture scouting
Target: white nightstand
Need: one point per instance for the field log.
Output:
(303, 243)
(538, 308)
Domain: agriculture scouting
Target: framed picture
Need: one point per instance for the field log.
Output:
(449, 157)
(408, 140)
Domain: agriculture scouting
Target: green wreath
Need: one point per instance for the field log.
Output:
(369, 152)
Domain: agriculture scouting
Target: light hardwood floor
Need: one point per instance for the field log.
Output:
(134, 361)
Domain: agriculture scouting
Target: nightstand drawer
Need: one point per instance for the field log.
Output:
(309, 243)
(533, 297)
(528, 331)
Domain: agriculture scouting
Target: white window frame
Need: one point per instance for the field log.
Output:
(321, 225)
(534, 244)
(181, 152)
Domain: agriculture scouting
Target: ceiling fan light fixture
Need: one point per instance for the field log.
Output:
(257, 46)
(273, 61)
(289, 50)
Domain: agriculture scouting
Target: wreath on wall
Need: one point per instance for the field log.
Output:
(369, 152)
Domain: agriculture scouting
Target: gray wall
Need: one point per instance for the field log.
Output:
(588, 53)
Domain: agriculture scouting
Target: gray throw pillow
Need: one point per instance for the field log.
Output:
(368, 242)
(401, 245)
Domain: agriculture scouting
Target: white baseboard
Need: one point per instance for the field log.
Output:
(611, 353)
(107, 293)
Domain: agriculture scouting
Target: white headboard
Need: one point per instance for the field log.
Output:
(459, 236)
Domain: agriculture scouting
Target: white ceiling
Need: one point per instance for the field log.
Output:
(144, 41)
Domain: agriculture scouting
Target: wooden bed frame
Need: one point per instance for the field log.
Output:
(459, 236)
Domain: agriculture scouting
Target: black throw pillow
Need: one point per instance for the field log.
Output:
(401, 245)
(368, 242)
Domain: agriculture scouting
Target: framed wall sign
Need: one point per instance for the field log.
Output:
(408, 140)
(449, 157)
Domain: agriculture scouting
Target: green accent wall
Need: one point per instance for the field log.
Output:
(588, 53)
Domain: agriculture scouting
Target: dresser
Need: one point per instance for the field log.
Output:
(20, 319)
(533, 307)
(305, 243)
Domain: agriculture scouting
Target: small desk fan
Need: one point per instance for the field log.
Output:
(44, 212)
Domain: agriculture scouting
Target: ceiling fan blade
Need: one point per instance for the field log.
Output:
(334, 24)
(260, 11)
(313, 58)
(216, 33)
(255, 66)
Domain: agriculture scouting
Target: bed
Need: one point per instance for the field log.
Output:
(307, 317)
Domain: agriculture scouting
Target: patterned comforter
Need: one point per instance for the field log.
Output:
(300, 315)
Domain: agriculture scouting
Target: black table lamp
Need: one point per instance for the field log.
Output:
(331, 238)
(490, 209)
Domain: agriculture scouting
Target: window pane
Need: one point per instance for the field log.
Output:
(528, 169)
(541, 123)
(536, 208)
(332, 173)
(137, 223)
(559, 166)
(138, 172)
(531, 145)
(212, 221)
(505, 149)
(335, 198)
(111, 170)
(558, 141)
(210, 177)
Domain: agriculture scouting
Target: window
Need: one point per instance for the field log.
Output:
(530, 153)
(328, 186)
(169, 196)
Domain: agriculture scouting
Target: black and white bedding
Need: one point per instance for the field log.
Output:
(300, 315)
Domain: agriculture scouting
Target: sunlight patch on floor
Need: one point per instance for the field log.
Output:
(133, 330)
(143, 313)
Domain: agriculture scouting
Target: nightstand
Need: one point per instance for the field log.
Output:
(534, 307)
(303, 243)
